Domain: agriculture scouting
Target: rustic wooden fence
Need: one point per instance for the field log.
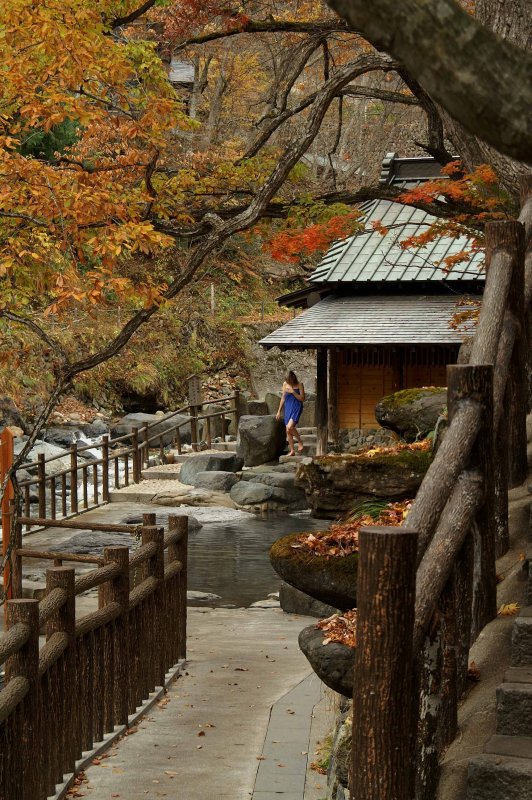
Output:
(91, 673)
(86, 483)
(427, 589)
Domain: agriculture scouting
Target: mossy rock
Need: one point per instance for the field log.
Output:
(330, 580)
(412, 413)
(333, 484)
(333, 663)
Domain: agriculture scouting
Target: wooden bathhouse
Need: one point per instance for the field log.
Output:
(378, 316)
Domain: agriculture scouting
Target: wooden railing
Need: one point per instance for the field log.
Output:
(427, 589)
(86, 484)
(93, 672)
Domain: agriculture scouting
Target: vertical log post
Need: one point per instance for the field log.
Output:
(25, 664)
(321, 401)
(105, 468)
(510, 235)
(6, 461)
(237, 409)
(179, 552)
(156, 567)
(194, 427)
(137, 469)
(117, 591)
(501, 465)
(41, 487)
(16, 560)
(476, 382)
(526, 218)
(74, 478)
(65, 622)
(334, 417)
(383, 723)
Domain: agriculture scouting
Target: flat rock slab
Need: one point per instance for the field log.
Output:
(241, 663)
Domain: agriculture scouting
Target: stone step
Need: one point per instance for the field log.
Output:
(521, 655)
(308, 431)
(513, 746)
(518, 675)
(225, 447)
(514, 709)
(497, 777)
(293, 459)
(309, 438)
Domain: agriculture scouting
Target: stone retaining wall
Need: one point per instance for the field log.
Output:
(353, 439)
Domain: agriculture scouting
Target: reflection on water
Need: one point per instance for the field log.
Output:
(232, 560)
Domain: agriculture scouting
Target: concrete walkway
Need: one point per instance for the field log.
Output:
(242, 722)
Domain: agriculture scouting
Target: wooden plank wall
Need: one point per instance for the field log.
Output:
(361, 386)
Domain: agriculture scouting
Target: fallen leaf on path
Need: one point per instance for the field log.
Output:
(241, 669)
(201, 733)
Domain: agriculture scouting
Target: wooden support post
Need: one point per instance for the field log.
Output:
(237, 409)
(194, 428)
(65, 622)
(179, 552)
(156, 567)
(41, 486)
(334, 417)
(25, 664)
(502, 532)
(510, 235)
(321, 402)
(73, 478)
(476, 382)
(383, 722)
(117, 591)
(16, 560)
(105, 468)
(137, 469)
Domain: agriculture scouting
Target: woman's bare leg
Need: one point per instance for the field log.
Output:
(299, 439)
(290, 436)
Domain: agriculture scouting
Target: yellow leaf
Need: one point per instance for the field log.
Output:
(508, 610)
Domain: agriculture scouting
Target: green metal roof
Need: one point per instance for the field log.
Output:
(369, 256)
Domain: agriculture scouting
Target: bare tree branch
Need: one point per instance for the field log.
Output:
(36, 329)
(133, 15)
(483, 81)
(270, 26)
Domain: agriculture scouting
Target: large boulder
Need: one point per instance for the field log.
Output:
(293, 601)
(412, 413)
(330, 580)
(335, 483)
(333, 663)
(246, 493)
(163, 430)
(260, 439)
(208, 462)
(216, 480)
(258, 408)
(61, 457)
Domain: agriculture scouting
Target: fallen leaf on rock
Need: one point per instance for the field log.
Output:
(317, 768)
(473, 673)
(201, 733)
(241, 669)
(508, 610)
(169, 772)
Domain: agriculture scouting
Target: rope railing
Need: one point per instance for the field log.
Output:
(459, 523)
(92, 673)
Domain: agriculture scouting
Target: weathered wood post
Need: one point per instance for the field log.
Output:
(179, 552)
(237, 409)
(117, 591)
(383, 723)
(41, 487)
(74, 478)
(137, 467)
(25, 664)
(64, 621)
(476, 382)
(156, 568)
(334, 418)
(196, 400)
(525, 217)
(321, 402)
(6, 460)
(105, 468)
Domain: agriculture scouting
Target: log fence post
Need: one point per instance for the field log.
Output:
(41, 474)
(157, 669)
(65, 622)
(117, 591)
(321, 402)
(137, 469)
(237, 409)
(383, 718)
(73, 478)
(179, 552)
(194, 428)
(25, 664)
(105, 468)
(476, 382)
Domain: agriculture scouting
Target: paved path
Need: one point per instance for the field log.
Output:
(238, 725)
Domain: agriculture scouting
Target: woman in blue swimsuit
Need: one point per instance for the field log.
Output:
(292, 399)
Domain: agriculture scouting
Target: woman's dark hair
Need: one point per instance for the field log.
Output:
(291, 378)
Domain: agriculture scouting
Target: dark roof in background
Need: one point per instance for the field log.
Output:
(358, 319)
(405, 173)
(370, 256)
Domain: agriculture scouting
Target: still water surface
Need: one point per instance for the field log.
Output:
(232, 559)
